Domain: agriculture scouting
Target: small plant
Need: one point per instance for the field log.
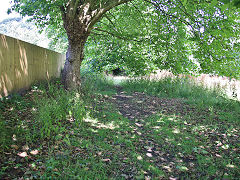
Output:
(57, 111)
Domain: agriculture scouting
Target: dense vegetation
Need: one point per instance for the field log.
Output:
(120, 131)
(142, 35)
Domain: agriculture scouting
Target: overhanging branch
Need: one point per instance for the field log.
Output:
(104, 9)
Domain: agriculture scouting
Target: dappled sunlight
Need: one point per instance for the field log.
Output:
(163, 118)
(23, 59)
(96, 123)
(4, 42)
(173, 118)
(176, 131)
(224, 84)
(5, 84)
(157, 127)
(199, 128)
(21, 64)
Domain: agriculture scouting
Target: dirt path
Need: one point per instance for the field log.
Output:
(139, 105)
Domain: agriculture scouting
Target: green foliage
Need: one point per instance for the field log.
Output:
(6, 137)
(94, 81)
(10, 128)
(142, 36)
(57, 110)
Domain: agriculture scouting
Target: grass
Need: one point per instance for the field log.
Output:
(183, 88)
(143, 129)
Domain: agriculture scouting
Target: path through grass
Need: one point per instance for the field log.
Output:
(139, 130)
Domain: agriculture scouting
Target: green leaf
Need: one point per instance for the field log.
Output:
(214, 3)
(185, 2)
(236, 3)
(224, 7)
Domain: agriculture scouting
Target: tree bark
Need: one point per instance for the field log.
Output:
(77, 36)
(71, 72)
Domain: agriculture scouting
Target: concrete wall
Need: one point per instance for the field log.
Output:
(22, 64)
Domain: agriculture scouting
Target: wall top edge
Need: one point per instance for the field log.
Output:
(30, 44)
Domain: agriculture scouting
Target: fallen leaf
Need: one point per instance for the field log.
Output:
(149, 154)
(149, 150)
(139, 158)
(168, 168)
(22, 154)
(218, 155)
(139, 133)
(34, 152)
(139, 125)
(14, 137)
(106, 160)
(14, 147)
(25, 147)
(173, 178)
(226, 146)
(55, 170)
(230, 166)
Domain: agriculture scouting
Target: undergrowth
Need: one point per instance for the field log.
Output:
(98, 133)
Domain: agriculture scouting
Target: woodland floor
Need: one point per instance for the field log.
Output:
(130, 135)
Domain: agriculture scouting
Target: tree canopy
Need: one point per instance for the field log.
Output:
(164, 36)
(182, 36)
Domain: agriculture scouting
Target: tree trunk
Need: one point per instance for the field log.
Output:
(74, 57)
(79, 18)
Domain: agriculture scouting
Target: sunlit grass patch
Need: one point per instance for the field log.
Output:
(182, 88)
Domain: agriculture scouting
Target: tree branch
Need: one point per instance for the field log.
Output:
(103, 10)
(75, 7)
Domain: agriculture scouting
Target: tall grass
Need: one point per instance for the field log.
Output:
(183, 88)
(96, 83)
(57, 110)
